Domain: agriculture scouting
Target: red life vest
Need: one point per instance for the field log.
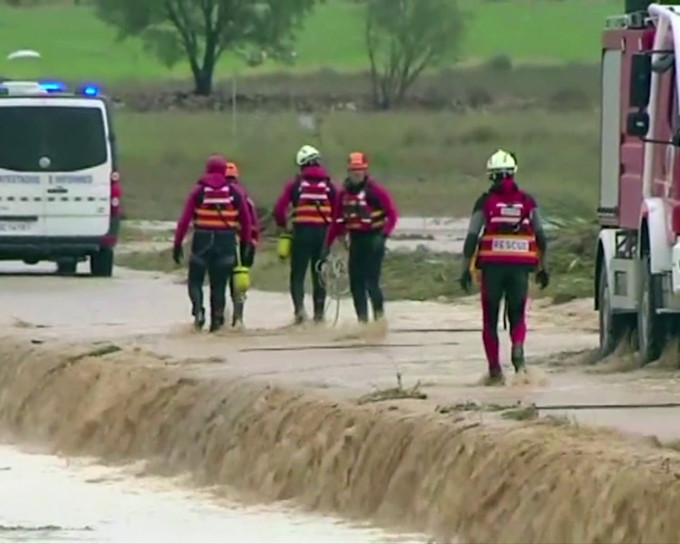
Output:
(361, 212)
(508, 237)
(312, 203)
(216, 209)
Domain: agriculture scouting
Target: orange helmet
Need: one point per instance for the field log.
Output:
(232, 170)
(357, 161)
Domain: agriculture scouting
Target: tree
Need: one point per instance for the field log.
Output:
(403, 38)
(200, 31)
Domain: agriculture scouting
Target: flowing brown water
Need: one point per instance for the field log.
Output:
(444, 475)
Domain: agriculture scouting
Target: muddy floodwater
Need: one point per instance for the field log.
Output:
(49, 499)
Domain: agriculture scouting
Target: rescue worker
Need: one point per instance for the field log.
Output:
(218, 212)
(312, 196)
(366, 212)
(246, 251)
(512, 245)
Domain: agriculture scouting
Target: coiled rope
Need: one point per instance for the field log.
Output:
(334, 276)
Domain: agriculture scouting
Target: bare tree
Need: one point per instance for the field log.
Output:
(403, 38)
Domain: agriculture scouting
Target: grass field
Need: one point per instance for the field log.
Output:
(75, 45)
(432, 162)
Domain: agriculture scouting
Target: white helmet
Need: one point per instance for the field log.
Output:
(501, 162)
(307, 155)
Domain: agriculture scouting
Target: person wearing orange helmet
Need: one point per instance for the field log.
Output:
(366, 211)
(247, 249)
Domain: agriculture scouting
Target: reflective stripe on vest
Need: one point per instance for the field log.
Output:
(359, 215)
(508, 237)
(217, 210)
(313, 206)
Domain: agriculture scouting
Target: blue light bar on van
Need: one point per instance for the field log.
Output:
(89, 90)
(53, 86)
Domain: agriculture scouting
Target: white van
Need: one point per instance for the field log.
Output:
(59, 184)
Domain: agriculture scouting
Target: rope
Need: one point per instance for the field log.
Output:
(635, 406)
(334, 276)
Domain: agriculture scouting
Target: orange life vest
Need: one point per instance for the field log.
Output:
(312, 203)
(217, 209)
(508, 237)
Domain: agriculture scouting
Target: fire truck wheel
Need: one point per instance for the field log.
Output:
(613, 327)
(651, 332)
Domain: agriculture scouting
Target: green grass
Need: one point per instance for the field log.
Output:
(432, 162)
(75, 45)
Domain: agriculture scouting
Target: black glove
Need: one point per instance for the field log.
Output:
(248, 255)
(465, 280)
(543, 278)
(323, 256)
(177, 254)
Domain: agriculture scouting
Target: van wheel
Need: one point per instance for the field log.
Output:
(67, 267)
(613, 326)
(101, 263)
(651, 331)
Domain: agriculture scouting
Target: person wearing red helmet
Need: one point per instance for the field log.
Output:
(218, 211)
(312, 195)
(247, 251)
(366, 212)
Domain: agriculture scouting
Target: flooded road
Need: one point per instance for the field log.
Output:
(48, 499)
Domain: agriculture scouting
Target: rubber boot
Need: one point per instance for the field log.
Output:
(319, 311)
(495, 377)
(237, 318)
(199, 319)
(216, 322)
(517, 358)
(300, 317)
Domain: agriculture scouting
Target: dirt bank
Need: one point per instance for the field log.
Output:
(443, 474)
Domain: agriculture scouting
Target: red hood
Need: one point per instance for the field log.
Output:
(314, 172)
(216, 164)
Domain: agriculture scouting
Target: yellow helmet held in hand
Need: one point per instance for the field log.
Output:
(283, 246)
(241, 276)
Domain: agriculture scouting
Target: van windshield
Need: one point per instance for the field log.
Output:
(51, 138)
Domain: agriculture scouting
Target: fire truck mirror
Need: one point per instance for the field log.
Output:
(637, 124)
(640, 81)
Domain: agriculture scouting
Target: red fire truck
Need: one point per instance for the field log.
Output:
(637, 273)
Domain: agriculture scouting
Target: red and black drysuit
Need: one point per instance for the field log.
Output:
(511, 246)
(365, 211)
(312, 196)
(218, 211)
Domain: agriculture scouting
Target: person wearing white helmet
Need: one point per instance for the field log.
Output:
(507, 241)
(311, 196)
